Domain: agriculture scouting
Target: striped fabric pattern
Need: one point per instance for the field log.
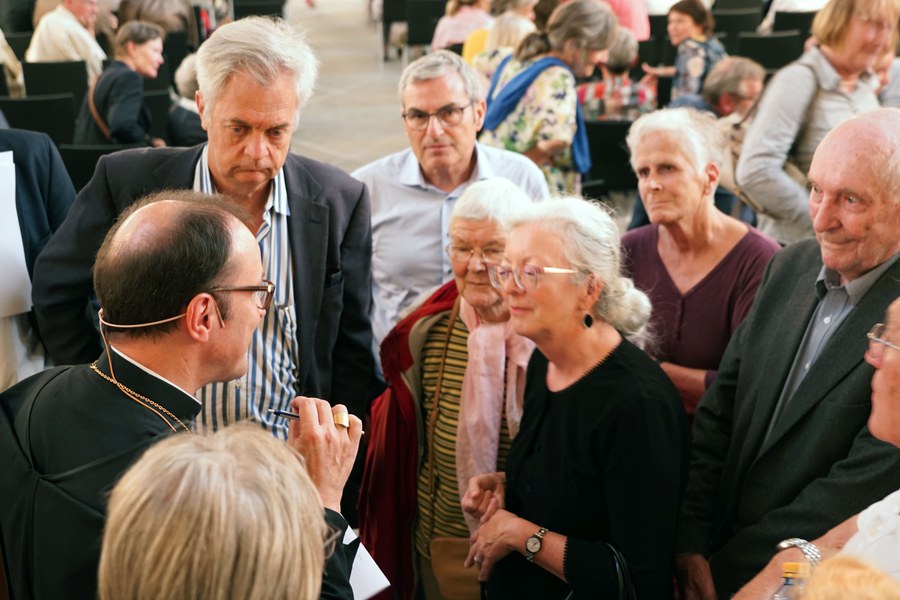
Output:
(273, 355)
(440, 514)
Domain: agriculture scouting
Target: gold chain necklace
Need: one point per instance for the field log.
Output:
(142, 400)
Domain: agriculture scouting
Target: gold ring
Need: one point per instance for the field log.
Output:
(342, 419)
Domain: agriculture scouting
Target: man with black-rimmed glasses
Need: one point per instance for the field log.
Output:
(413, 191)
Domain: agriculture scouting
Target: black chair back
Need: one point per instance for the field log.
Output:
(52, 114)
(19, 42)
(81, 160)
(392, 11)
(158, 103)
(663, 90)
(175, 48)
(801, 21)
(773, 50)
(732, 4)
(66, 77)
(4, 88)
(647, 53)
(610, 165)
(262, 8)
(421, 18)
(734, 21)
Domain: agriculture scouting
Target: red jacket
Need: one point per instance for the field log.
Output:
(387, 501)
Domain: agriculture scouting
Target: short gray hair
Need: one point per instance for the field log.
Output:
(727, 77)
(186, 77)
(697, 133)
(591, 244)
(260, 47)
(622, 52)
(497, 200)
(440, 64)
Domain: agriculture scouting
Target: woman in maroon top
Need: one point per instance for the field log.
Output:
(699, 267)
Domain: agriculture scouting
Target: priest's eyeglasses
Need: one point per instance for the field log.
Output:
(263, 294)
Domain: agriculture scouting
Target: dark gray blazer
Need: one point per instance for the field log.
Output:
(820, 465)
(331, 246)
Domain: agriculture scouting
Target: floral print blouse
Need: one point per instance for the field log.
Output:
(546, 112)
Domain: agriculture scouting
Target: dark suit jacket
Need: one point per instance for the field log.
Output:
(119, 98)
(44, 192)
(820, 465)
(66, 435)
(184, 127)
(330, 238)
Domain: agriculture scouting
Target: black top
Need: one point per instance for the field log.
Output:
(119, 98)
(66, 435)
(601, 461)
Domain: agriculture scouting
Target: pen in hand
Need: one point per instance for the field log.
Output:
(342, 419)
(285, 414)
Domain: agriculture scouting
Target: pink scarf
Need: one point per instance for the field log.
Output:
(494, 352)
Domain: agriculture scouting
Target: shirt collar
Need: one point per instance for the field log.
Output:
(277, 192)
(831, 280)
(151, 372)
(411, 173)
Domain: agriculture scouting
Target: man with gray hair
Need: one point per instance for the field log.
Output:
(731, 88)
(413, 191)
(310, 220)
(780, 442)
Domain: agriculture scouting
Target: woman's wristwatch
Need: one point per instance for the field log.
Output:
(533, 544)
(809, 550)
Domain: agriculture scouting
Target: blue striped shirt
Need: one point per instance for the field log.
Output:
(271, 379)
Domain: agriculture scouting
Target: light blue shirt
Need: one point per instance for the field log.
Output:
(411, 221)
(273, 356)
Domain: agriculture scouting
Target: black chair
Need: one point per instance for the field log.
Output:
(67, 77)
(4, 88)
(773, 50)
(247, 8)
(19, 42)
(647, 53)
(158, 103)
(175, 48)
(53, 114)
(663, 90)
(421, 19)
(392, 11)
(81, 160)
(734, 21)
(733, 4)
(610, 164)
(801, 21)
(659, 26)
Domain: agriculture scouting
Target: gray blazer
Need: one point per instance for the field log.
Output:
(820, 465)
(331, 247)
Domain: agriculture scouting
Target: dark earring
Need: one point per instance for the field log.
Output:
(588, 321)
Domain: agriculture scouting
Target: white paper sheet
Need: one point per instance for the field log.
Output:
(15, 293)
(366, 578)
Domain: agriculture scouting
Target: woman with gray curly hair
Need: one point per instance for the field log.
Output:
(593, 479)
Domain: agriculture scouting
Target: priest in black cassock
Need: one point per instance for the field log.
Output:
(181, 285)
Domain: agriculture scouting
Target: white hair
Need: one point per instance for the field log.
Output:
(260, 47)
(591, 244)
(498, 200)
(697, 134)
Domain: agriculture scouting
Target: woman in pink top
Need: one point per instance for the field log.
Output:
(462, 18)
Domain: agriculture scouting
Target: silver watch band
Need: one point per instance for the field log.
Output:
(810, 551)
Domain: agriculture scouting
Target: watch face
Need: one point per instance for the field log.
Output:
(533, 544)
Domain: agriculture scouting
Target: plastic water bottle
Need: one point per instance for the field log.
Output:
(795, 575)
